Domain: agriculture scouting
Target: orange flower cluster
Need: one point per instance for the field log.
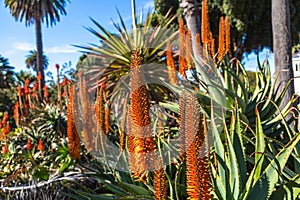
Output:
(171, 65)
(185, 49)
(224, 37)
(73, 137)
(100, 116)
(198, 44)
(4, 125)
(140, 140)
(35, 90)
(5, 149)
(160, 184)
(107, 123)
(39, 79)
(64, 84)
(182, 119)
(207, 37)
(227, 35)
(205, 23)
(29, 98)
(29, 145)
(16, 113)
(221, 50)
(85, 106)
(26, 86)
(100, 109)
(198, 179)
(188, 50)
(122, 131)
(46, 94)
(182, 62)
(39, 76)
(40, 146)
(211, 45)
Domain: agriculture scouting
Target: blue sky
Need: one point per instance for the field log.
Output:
(16, 39)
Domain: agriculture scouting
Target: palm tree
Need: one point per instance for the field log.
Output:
(6, 73)
(31, 61)
(7, 83)
(282, 46)
(36, 12)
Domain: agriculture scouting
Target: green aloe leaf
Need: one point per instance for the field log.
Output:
(273, 170)
(134, 189)
(222, 171)
(260, 147)
(289, 191)
(233, 167)
(240, 149)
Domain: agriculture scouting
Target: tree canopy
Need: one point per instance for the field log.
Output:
(251, 27)
(46, 10)
(31, 61)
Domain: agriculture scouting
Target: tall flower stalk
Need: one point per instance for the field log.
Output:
(122, 128)
(198, 45)
(227, 35)
(101, 120)
(205, 30)
(107, 120)
(100, 110)
(205, 23)
(140, 140)
(73, 137)
(171, 65)
(85, 110)
(221, 49)
(195, 133)
(188, 50)
(160, 183)
(182, 61)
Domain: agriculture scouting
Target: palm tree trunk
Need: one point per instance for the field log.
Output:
(191, 14)
(282, 46)
(39, 46)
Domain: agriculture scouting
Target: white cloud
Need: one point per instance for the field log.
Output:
(11, 52)
(61, 49)
(23, 46)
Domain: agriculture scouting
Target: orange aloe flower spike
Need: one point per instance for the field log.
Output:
(221, 50)
(227, 32)
(73, 137)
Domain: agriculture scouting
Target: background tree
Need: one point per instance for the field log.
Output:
(191, 13)
(36, 12)
(283, 46)
(7, 83)
(32, 63)
(162, 8)
(6, 73)
(251, 25)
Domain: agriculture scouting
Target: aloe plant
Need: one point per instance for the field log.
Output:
(237, 175)
(254, 152)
